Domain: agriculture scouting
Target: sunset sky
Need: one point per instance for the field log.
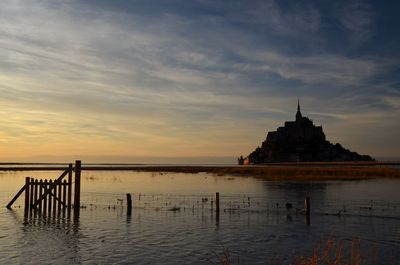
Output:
(157, 81)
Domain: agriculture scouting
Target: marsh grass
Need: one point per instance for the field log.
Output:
(225, 258)
(331, 252)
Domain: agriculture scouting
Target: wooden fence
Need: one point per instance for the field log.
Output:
(52, 198)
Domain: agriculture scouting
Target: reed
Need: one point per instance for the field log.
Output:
(332, 252)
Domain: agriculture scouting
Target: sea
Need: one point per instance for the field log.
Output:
(174, 220)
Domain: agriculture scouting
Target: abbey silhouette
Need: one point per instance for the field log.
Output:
(300, 141)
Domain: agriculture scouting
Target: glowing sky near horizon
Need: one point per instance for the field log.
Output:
(194, 78)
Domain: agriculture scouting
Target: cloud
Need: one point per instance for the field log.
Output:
(167, 78)
(358, 19)
(292, 19)
(316, 69)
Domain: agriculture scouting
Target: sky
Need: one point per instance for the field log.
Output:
(193, 81)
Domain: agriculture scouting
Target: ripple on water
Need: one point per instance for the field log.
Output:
(192, 235)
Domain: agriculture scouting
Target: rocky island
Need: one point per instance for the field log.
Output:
(300, 141)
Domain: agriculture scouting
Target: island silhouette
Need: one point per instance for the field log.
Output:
(300, 141)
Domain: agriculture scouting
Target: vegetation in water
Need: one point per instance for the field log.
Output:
(331, 252)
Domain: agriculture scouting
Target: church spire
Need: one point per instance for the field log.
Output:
(298, 105)
(298, 114)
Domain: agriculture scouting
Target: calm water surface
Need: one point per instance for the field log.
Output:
(254, 224)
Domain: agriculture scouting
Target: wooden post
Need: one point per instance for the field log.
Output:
(69, 190)
(307, 209)
(54, 191)
(64, 199)
(43, 186)
(26, 209)
(129, 203)
(32, 187)
(50, 199)
(77, 193)
(217, 208)
(35, 195)
(59, 195)
(217, 202)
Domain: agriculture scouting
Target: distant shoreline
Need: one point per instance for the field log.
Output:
(276, 171)
(280, 172)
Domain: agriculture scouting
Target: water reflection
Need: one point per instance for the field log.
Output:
(255, 222)
(296, 191)
(48, 239)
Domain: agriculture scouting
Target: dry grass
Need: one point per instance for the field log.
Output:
(332, 254)
(329, 253)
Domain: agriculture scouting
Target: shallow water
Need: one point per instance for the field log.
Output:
(254, 224)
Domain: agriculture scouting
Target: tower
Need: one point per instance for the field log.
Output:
(298, 114)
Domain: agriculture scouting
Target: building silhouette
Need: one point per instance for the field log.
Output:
(300, 141)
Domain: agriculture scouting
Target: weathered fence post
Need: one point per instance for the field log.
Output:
(64, 193)
(31, 189)
(35, 195)
(27, 182)
(50, 198)
(59, 195)
(54, 197)
(129, 203)
(307, 209)
(217, 208)
(43, 186)
(69, 190)
(77, 193)
(217, 202)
